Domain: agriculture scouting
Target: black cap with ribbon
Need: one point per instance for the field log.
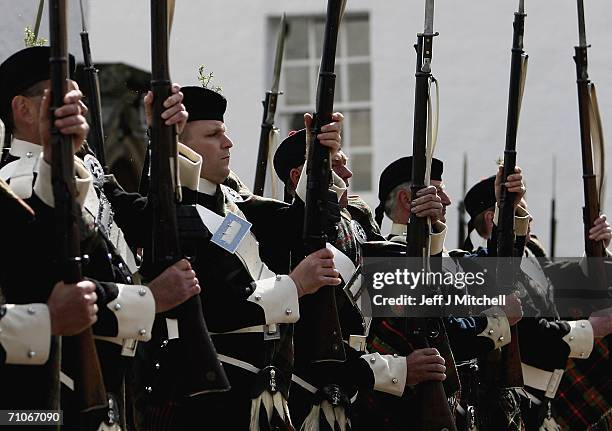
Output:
(203, 104)
(22, 70)
(400, 172)
(478, 199)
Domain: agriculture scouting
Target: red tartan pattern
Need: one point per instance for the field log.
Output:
(585, 393)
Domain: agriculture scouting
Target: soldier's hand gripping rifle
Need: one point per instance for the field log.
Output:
(509, 369)
(92, 89)
(269, 104)
(434, 411)
(201, 371)
(591, 140)
(322, 314)
(82, 362)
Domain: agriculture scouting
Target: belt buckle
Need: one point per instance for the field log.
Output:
(271, 332)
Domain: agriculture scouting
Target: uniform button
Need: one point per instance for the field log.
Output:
(278, 277)
(572, 338)
(394, 380)
(29, 154)
(117, 307)
(120, 265)
(288, 311)
(582, 354)
(31, 353)
(258, 297)
(157, 366)
(31, 310)
(373, 359)
(491, 332)
(247, 290)
(129, 279)
(142, 331)
(583, 325)
(501, 338)
(149, 389)
(395, 355)
(142, 291)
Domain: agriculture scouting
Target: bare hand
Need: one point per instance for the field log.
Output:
(424, 365)
(601, 230)
(174, 286)
(514, 184)
(175, 112)
(427, 204)
(72, 307)
(70, 119)
(601, 321)
(513, 309)
(315, 271)
(331, 134)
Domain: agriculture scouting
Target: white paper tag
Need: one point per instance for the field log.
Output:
(231, 232)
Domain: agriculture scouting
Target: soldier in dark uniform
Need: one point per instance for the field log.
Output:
(355, 226)
(26, 328)
(546, 341)
(248, 308)
(468, 336)
(126, 310)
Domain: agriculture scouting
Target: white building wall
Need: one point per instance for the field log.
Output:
(471, 61)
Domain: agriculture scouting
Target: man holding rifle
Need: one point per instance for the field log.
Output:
(125, 311)
(559, 339)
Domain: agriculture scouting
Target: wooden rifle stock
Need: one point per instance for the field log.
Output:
(509, 371)
(201, 371)
(322, 313)
(594, 250)
(83, 359)
(434, 411)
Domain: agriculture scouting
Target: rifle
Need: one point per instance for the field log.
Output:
(201, 371)
(434, 409)
(269, 104)
(461, 206)
(83, 360)
(591, 139)
(510, 371)
(327, 342)
(92, 87)
(553, 211)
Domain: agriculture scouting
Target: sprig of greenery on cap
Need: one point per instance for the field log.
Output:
(206, 78)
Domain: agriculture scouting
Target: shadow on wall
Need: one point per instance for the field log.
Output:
(122, 89)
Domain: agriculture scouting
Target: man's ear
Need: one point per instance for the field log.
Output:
(403, 199)
(488, 219)
(22, 110)
(294, 177)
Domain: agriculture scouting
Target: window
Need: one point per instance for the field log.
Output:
(353, 85)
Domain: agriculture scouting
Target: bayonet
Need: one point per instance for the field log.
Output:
(581, 25)
(41, 5)
(428, 35)
(270, 103)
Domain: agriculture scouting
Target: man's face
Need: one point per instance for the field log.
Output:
(339, 165)
(208, 139)
(446, 201)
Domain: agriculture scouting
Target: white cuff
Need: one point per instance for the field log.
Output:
(546, 381)
(580, 339)
(134, 309)
(190, 164)
(278, 297)
(25, 334)
(44, 189)
(498, 327)
(390, 372)
(521, 220)
(437, 237)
